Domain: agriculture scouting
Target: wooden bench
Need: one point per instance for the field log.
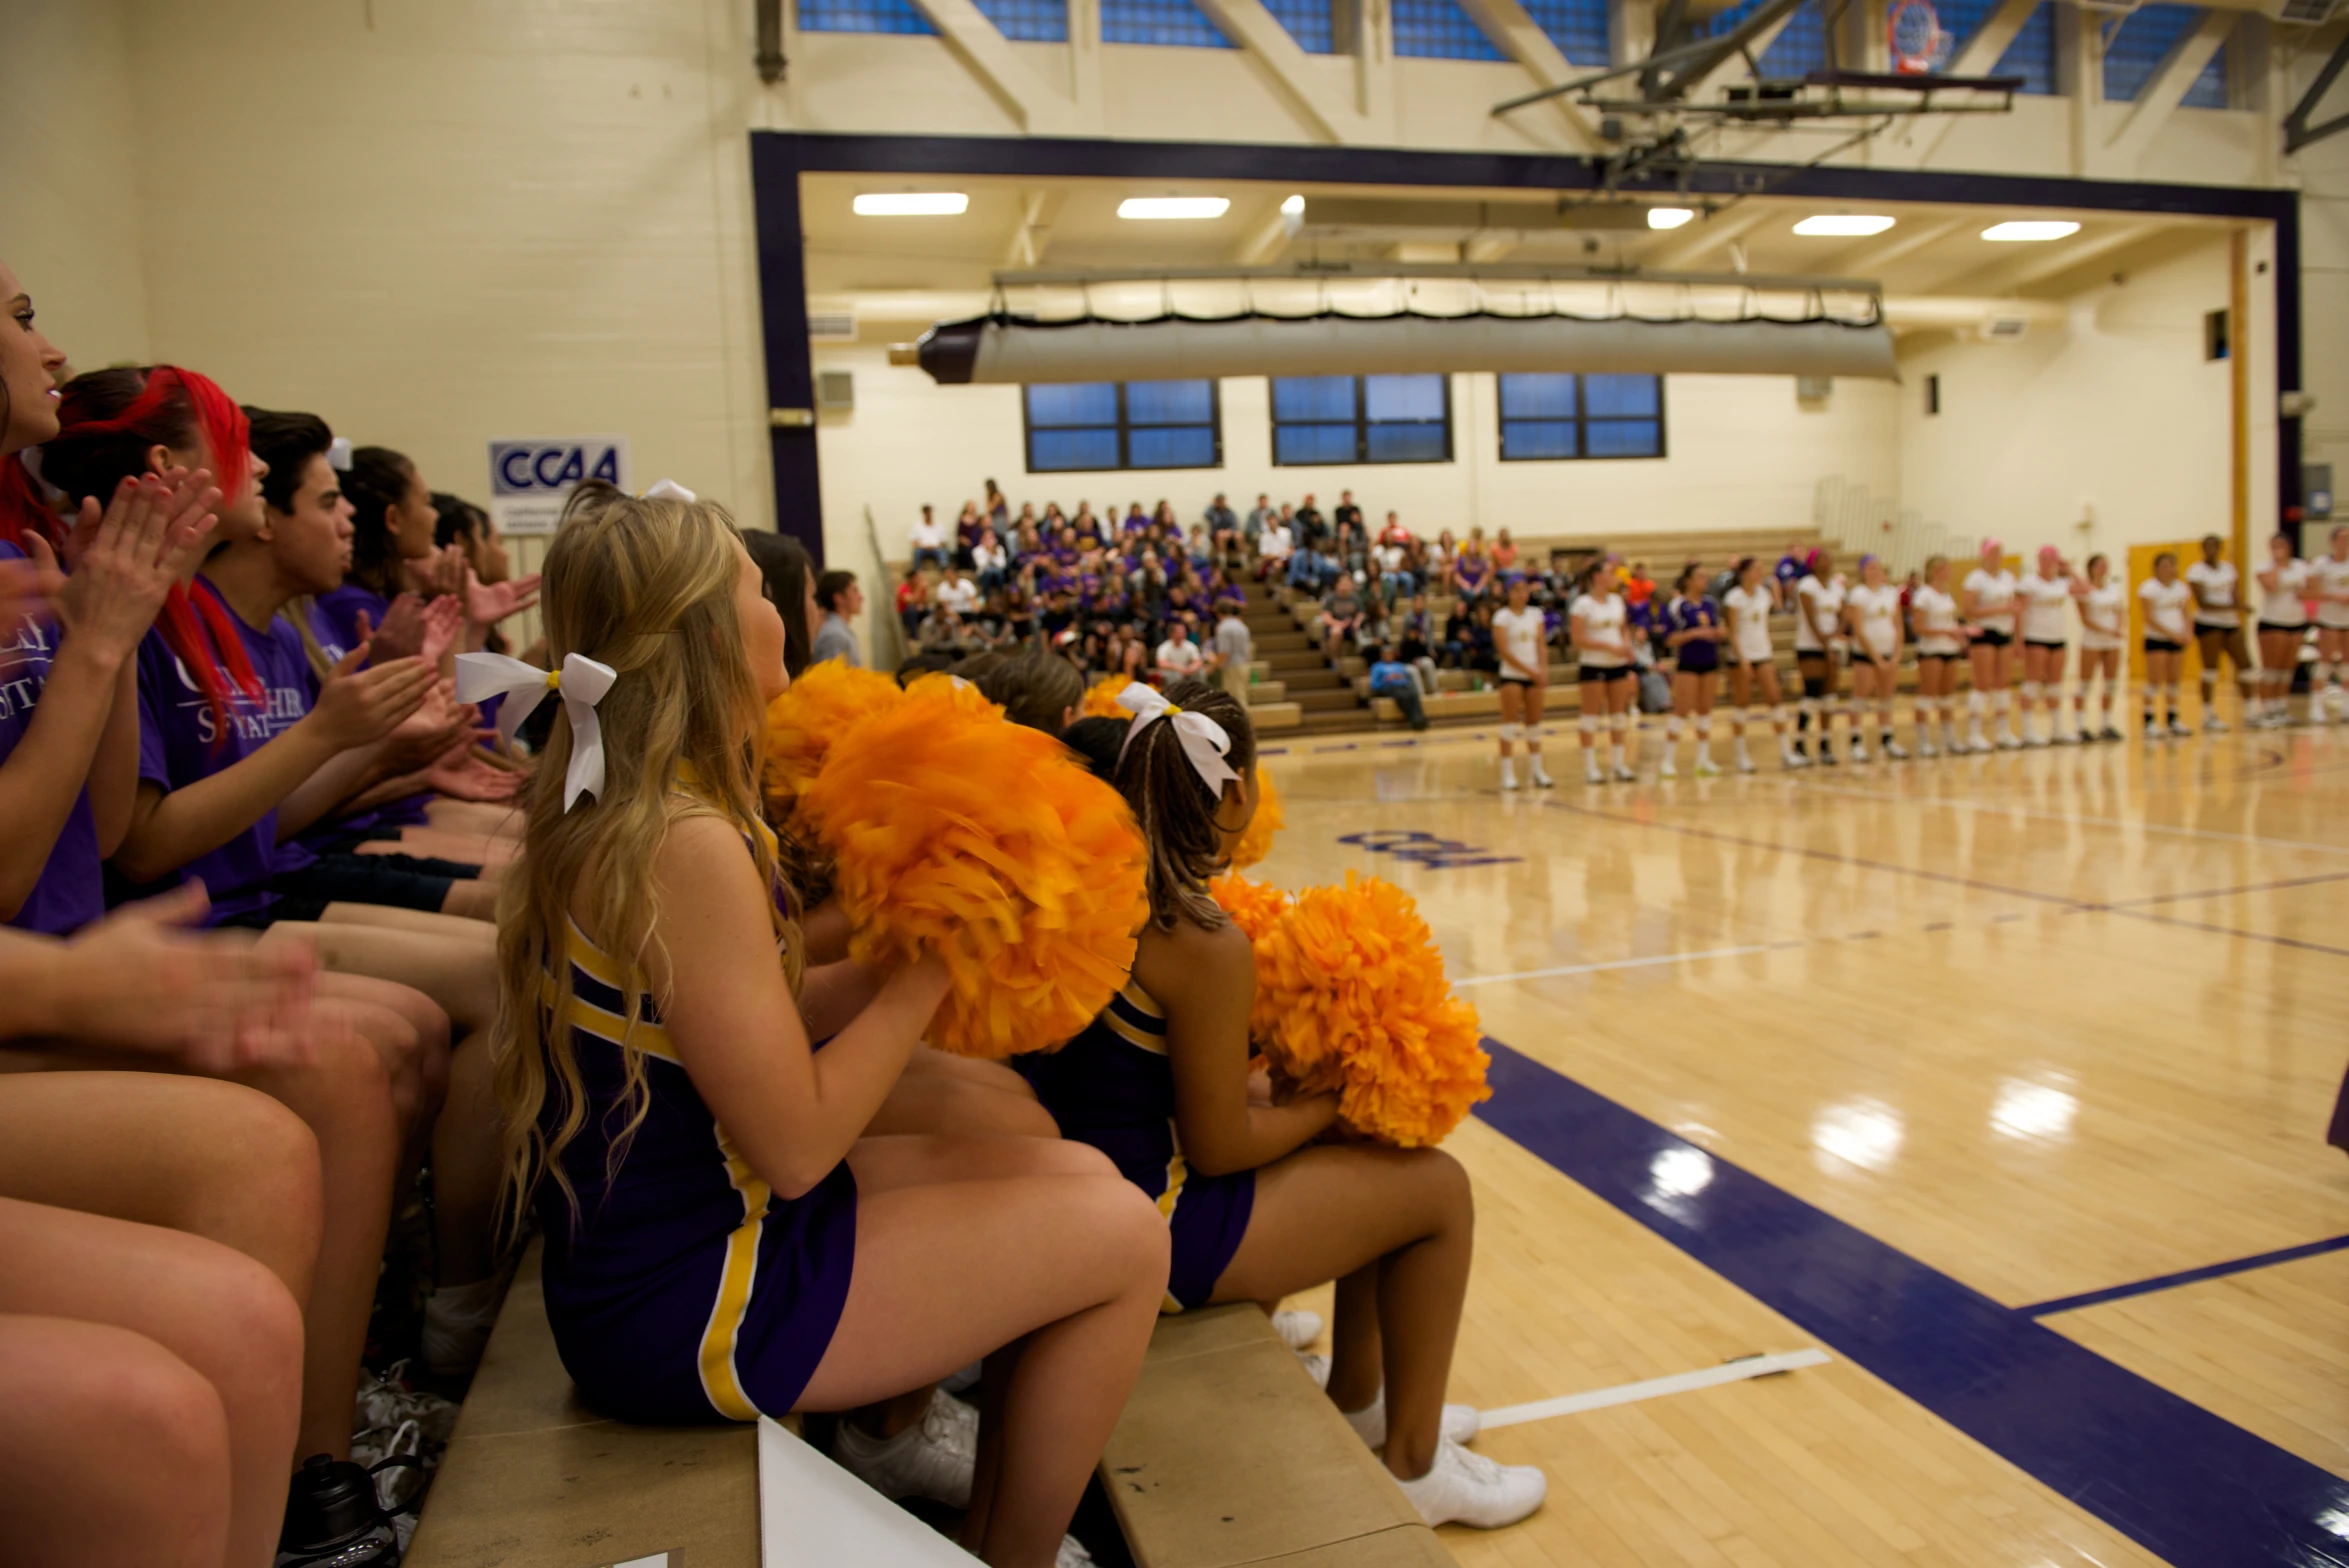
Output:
(1226, 1455)
(1276, 715)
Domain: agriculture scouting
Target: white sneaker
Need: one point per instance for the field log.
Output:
(1541, 777)
(1297, 1328)
(1925, 749)
(387, 1401)
(1894, 751)
(1508, 776)
(933, 1458)
(1666, 771)
(2212, 724)
(2010, 742)
(1461, 1423)
(1706, 769)
(2035, 740)
(1745, 765)
(1624, 775)
(1859, 751)
(1072, 1554)
(1794, 761)
(2070, 737)
(1592, 775)
(1462, 1487)
(1316, 1368)
(2178, 728)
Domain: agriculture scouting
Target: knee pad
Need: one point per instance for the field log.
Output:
(2032, 691)
(1704, 725)
(1618, 722)
(1814, 687)
(1975, 701)
(2001, 700)
(1512, 732)
(1587, 726)
(2152, 693)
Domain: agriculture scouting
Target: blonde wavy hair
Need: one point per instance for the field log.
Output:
(646, 587)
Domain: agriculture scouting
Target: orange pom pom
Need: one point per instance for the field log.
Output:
(1253, 906)
(955, 832)
(803, 724)
(1256, 842)
(1351, 996)
(1101, 699)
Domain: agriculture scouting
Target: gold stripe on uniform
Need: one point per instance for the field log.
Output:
(719, 1379)
(1177, 1173)
(1142, 1000)
(1133, 1034)
(610, 1027)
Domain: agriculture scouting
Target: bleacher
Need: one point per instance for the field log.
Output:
(1227, 1454)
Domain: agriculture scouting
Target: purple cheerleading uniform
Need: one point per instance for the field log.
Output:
(181, 744)
(71, 890)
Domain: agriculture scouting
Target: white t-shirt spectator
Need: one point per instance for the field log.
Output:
(1180, 657)
(2043, 608)
(1519, 635)
(2165, 609)
(928, 535)
(1749, 620)
(2216, 599)
(957, 593)
(1994, 599)
(988, 557)
(1276, 543)
(1607, 642)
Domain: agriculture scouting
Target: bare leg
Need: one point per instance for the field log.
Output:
(475, 818)
(115, 1453)
(1323, 1213)
(954, 1095)
(223, 1314)
(1093, 1256)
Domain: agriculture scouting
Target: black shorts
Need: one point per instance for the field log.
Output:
(2164, 645)
(1990, 638)
(1697, 666)
(1516, 680)
(1939, 658)
(396, 881)
(2267, 628)
(2033, 642)
(1604, 672)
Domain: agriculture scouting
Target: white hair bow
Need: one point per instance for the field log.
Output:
(582, 682)
(1204, 740)
(667, 490)
(338, 454)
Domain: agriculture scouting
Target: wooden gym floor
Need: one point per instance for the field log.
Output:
(1895, 1062)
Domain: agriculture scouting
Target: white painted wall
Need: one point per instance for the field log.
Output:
(70, 209)
(2116, 418)
(1742, 453)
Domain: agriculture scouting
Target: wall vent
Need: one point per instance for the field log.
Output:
(2005, 329)
(835, 390)
(831, 326)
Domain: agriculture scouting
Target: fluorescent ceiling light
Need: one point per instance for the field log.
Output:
(1841, 225)
(1668, 217)
(913, 204)
(1293, 206)
(1173, 206)
(2031, 229)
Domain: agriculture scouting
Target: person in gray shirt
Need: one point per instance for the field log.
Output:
(1233, 648)
(841, 600)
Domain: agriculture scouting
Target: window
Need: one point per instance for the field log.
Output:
(2145, 39)
(1312, 23)
(1932, 394)
(2215, 338)
(1548, 418)
(1800, 47)
(1028, 21)
(1159, 22)
(862, 16)
(1361, 419)
(1439, 30)
(1577, 27)
(2030, 56)
(1097, 425)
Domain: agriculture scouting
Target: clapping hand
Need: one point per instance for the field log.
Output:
(126, 558)
(142, 978)
(486, 604)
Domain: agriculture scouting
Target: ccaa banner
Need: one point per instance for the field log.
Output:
(529, 481)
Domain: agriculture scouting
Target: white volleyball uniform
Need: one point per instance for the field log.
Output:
(2167, 608)
(2331, 577)
(1876, 614)
(2217, 602)
(2288, 605)
(2104, 617)
(2044, 602)
(1826, 601)
(1519, 633)
(1749, 622)
(1994, 599)
(1938, 631)
(1602, 621)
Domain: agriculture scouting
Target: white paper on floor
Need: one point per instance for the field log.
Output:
(813, 1514)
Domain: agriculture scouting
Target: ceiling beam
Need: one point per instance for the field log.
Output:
(1276, 56)
(1703, 235)
(2041, 262)
(987, 55)
(1980, 52)
(1516, 34)
(1906, 239)
(1264, 244)
(1031, 236)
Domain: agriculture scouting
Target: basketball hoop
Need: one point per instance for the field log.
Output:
(1914, 35)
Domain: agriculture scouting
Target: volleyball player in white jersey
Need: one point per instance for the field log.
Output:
(1987, 602)
(1941, 648)
(1872, 610)
(2329, 574)
(1602, 641)
(1521, 644)
(1753, 666)
(2047, 598)
(2104, 630)
(1818, 639)
(2283, 627)
(2218, 628)
(2169, 624)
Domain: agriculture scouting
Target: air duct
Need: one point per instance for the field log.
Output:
(1008, 348)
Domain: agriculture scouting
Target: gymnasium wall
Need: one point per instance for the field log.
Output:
(2114, 421)
(1741, 452)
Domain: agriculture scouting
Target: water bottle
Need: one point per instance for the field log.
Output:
(334, 1520)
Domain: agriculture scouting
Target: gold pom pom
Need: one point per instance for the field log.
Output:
(1256, 842)
(1253, 906)
(1351, 996)
(955, 832)
(825, 703)
(1101, 699)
